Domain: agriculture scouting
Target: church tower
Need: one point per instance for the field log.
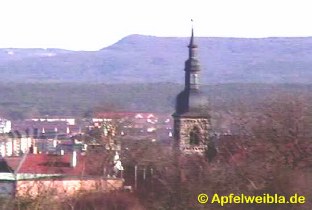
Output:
(191, 118)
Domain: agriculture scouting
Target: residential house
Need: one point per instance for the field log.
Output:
(58, 175)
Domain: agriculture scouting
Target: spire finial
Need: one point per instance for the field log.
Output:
(192, 35)
(192, 25)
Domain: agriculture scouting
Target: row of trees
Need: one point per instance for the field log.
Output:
(21, 100)
(269, 152)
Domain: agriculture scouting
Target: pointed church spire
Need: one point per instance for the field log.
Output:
(192, 67)
(192, 36)
(192, 45)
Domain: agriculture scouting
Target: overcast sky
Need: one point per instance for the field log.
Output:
(94, 24)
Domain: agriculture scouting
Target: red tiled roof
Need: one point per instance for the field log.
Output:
(52, 164)
(114, 115)
(66, 142)
(117, 115)
(13, 162)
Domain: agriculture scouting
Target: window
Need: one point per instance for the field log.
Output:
(194, 79)
(195, 136)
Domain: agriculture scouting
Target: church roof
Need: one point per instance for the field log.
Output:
(192, 101)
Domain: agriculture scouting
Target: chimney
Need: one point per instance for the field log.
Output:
(73, 162)
(35, 150)
(54, 143)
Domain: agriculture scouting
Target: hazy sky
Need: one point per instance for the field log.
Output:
(94, 24)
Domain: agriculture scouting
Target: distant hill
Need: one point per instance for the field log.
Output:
(141, 59)
(19, 100)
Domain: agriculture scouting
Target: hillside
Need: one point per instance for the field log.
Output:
(144, 59)
(82, 100)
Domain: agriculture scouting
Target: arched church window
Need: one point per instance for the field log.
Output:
(195, 136)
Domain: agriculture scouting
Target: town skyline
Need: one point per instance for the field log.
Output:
(119, 153)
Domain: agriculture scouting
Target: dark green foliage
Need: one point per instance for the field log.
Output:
(25, 100)
(82, 100)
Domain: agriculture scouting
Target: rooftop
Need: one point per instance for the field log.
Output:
(52, 164)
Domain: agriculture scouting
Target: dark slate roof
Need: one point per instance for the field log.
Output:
(192, 101)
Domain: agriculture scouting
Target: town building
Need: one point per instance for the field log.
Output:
(58, 175)
(5, 126)
(14, 144)
(69, 121)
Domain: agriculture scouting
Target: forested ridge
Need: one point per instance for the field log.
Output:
(24, 100)
(138, 58)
